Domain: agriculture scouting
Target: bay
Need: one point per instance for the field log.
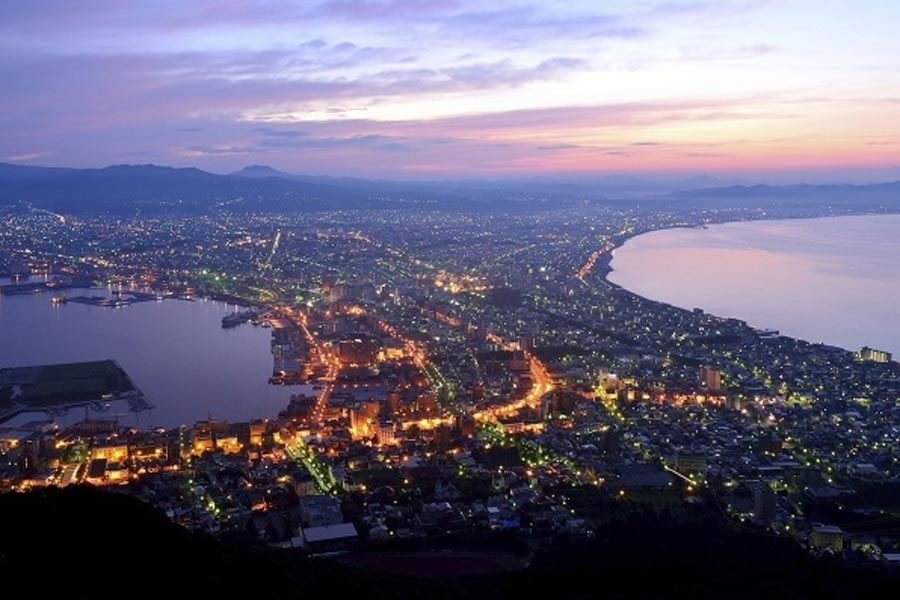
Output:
(832, 280)
(175, 351)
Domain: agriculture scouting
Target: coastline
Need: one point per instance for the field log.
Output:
(606, 266)
(603, 266)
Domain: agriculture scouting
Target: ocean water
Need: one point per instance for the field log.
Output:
(175, 351)
(831, 280)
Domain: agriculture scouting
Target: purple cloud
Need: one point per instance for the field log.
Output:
(371, 9)
(319, 84)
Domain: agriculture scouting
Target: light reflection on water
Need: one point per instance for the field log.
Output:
(834, 280)
(175, 351)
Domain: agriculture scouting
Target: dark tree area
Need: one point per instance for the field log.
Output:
(89, 543)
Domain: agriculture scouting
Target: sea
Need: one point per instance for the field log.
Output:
(175, 351)
(831, 280)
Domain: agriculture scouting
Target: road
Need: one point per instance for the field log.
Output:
(325, 356)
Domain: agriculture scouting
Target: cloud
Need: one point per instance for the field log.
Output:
(197, 151)
(279, 133)
(101, 91)
(26, 157)
(569, 118)
(525, 26)
(704, 9)
(369, 141)
(396, 147)
(512, 24)
(380, 10)
(481, 75)
(760, 49)
(53, 16)
(709, 53)
(430, 84)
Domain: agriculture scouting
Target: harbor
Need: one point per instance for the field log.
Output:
(173, 346)
(240, 318)
(55, 389)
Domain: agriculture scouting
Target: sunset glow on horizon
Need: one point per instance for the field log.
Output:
(457, 88)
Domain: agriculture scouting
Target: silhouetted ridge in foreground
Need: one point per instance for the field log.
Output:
(91, 543)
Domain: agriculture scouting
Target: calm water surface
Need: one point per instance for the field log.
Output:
(175, 351)
(834, 280)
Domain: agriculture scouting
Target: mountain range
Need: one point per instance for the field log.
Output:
(152, 189)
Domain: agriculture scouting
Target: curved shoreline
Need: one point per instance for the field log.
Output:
(607, 268)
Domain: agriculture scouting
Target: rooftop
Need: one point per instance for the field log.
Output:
(329, 532)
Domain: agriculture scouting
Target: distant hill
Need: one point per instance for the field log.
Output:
(803, 189)
(126, 189)
(10, 172)
(260, 171)
(152, 189)
(793, 199)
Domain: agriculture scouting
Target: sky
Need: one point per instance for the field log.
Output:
(778, 89)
